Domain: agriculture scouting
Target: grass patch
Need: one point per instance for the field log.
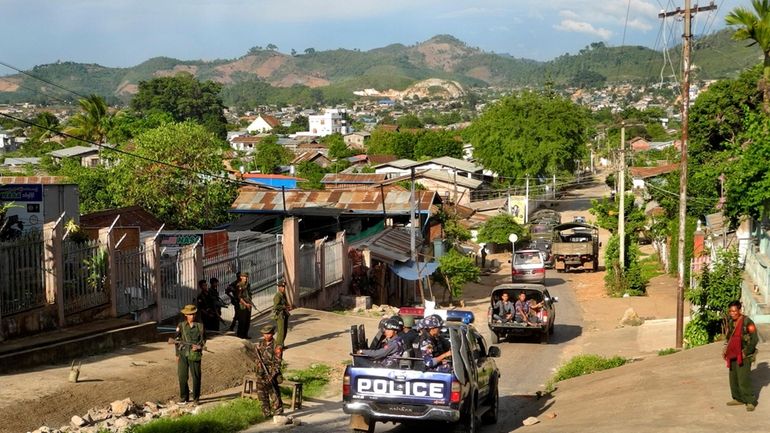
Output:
(650, 267)
(313, 379)
(668, 351)
(581, 365)
(227, 418)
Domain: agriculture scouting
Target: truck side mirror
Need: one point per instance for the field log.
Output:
(494, 352)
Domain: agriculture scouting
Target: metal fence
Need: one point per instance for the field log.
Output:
(85, 275)
(133, 280)
(333, 256)
(22, 277)
(178, 284)
(263, 261)
(307, 269)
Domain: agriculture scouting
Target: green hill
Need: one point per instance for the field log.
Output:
(328, 76)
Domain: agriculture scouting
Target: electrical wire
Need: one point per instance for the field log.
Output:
(126, 153)
(675, 194)
(43, 80)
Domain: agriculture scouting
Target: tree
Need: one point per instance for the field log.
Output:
(498, 228)
(748, 185)
(309, 50)
(185, 98)
(337, 147)
(92, 122)
(176, 181)
(715, 290)
(272, 47)
(95, 185)
(435, 143)
(312, 173)
(755, 25)
(270, 155)
(457, 270)
(293, 52)
(409, 121)
(530, 134)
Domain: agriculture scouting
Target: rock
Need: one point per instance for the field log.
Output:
(296, 422)
(530, 421)
(98, 415)
(630, 318)
(281, 420)
(77, 421)
(122, 407)
(43, 429)
(151, 407)
(550, 415)
(121, 422)
(132, 416)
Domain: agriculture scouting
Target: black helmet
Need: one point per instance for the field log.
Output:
(393, 324)
(398, 319)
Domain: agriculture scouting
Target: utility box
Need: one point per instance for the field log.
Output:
(38, 200)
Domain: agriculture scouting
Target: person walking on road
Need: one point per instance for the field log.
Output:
(268, 372)
(190, 339)
(244, 306)
(281, 308)
(739, 352)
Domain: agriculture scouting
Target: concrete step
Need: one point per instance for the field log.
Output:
(72, 345)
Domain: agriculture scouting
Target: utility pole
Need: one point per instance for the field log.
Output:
(526, 202)
(412, 222)
(622, 198)
(687, 13)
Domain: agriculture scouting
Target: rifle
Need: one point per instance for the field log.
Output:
(183, 343)
(277, 377)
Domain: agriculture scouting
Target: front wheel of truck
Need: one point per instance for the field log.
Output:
(490, 416)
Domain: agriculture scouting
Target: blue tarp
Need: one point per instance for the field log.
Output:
(409, 271)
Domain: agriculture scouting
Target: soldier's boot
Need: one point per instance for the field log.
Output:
(750, 407)
(734, 403)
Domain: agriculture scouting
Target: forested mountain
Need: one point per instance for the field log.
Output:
(271, 76)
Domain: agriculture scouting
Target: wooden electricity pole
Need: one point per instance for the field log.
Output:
(687, 14)
(622, 198)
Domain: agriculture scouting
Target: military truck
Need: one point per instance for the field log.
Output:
(575, 245)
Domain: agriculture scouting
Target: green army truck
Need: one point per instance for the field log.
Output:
(575, 245)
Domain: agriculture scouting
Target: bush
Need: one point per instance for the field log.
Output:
(581, 365)
(618, 282)
(498, 228)
(668, 351)
(457, 270)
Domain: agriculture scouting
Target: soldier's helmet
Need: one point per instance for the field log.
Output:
(431, 322)
(398, 319)
(393, 324)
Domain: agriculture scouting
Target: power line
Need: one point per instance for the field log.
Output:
(36, 91)
(43, 80)
(123, 152)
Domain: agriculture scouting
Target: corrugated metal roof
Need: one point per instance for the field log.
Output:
(368, 201)
(459, 164)
(399, 163)
(73, 151)
(354, 178)
(444, 176)
(392, 245)
(647, 172)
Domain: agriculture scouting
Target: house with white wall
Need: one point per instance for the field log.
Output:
(263, 124)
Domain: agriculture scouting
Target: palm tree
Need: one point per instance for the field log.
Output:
(92, 123)
(755, 25)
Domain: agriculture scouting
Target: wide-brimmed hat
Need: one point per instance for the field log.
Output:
(189, 309)
(268, 328)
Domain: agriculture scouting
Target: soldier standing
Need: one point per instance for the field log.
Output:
(739, 352)
(244, 306)
(281, 308)
(190, 339)
(207, 307)
(232, 292)
(268, 366)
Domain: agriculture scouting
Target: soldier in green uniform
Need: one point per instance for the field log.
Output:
(281, 308)
(243, 309)
(268, 372)
(739, 352)
(190, 339)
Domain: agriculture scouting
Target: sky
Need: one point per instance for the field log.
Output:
(121, 33)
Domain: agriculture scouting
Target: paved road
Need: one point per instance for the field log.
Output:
(525, 364)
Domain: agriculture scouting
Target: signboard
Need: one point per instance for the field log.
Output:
(517, 207)
(27, 200)
(21, 193)
(179, 240)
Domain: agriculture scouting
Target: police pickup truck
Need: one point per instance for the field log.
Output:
(463, 396)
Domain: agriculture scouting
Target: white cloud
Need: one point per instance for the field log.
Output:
(500, 29)
(639, 25)
(583, 27)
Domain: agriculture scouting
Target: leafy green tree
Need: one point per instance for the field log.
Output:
(530, 134)
(187, 197)
(337, 147)
(92, 122)
(755, 25)
(272, 47)
(457, 270)
(498, 228)
(95, 185)
(270, 155)
(312, 173)
(48, 123)
(409, 121)
(185, 98)
(607, 211)
(748, 186)
(435, 143)
(586, 78)
(309, 50)
(127, 125)
(715, 290)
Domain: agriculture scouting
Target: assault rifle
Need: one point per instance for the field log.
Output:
(183, 343)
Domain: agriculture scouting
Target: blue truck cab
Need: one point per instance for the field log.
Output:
(411, 393)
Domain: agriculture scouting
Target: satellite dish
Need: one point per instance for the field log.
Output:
(513, 238)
